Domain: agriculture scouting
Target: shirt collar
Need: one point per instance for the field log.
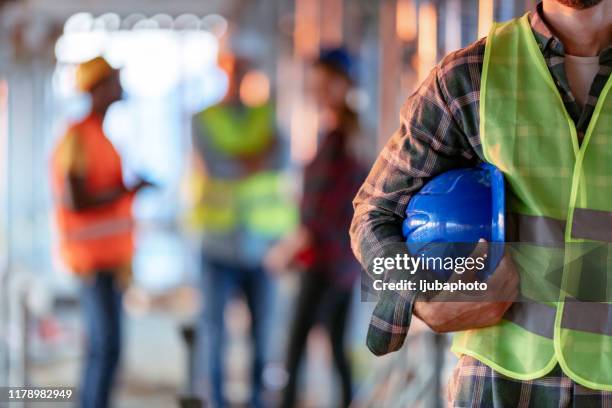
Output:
(547, 41)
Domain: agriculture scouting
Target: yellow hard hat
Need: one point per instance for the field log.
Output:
(92, 72)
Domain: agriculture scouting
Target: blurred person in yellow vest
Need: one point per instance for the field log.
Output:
(241, 208)
(93, 210)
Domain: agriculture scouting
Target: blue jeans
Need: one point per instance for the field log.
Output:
(221, 282)
(101, 304)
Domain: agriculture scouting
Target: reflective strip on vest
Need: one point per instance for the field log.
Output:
(589, 317)
(264, 204)
(592, 224)
(539, 230)
(537, 318)
(101, 229)
(260, 203)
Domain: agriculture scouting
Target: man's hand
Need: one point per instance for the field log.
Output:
(462, 313)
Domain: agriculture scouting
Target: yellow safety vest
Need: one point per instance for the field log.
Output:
(259, 202)
(561, 199)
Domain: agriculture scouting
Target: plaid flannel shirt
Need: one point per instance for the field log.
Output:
(439, 131)
(474, 384)
(330, 181)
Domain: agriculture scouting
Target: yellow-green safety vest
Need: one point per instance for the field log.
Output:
(560, 195)
(241, 134)
(260, 202)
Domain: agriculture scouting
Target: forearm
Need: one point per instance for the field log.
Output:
(375, 232)
(428, 143)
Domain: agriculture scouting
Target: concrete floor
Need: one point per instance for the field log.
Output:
(154, 366)
(152, 370)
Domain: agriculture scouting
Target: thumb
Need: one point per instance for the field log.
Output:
(480, 251)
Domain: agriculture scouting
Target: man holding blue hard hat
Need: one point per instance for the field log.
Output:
(531, 99)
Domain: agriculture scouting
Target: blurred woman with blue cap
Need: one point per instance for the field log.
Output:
(321, 245)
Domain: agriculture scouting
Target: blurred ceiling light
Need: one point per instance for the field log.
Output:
(108, 22)
(146, 24)
(427, 45)
(154, 58)
(187, 22)
(118, 47)
(132, 19)
(406, 20)
(485, 17)
(164, 21)
(98, 24)
(75, 47)
(214, 23)
(79, 22)
(255, 88)
(199, 50)
(151, 68)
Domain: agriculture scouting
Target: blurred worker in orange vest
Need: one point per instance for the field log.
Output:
(94, 216)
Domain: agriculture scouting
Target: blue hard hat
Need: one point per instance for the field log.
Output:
(448, 216)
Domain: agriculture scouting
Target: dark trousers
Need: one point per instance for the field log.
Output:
(318, 297)
(221, 283)
(101, 304)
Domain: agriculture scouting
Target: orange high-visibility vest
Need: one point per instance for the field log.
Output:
(100, 237)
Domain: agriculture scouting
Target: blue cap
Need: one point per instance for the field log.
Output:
(340, 60)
